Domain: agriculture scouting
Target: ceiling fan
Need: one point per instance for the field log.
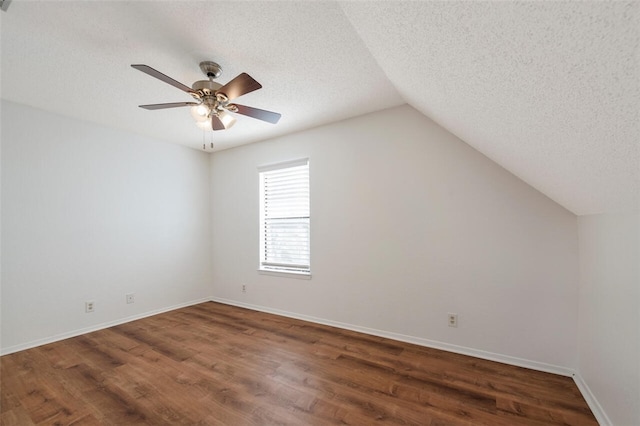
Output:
(212, 100)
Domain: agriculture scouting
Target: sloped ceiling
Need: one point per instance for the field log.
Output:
(549, 90)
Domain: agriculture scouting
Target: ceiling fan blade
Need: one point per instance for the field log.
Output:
(169, 105)
(216, 124)
(260, 114)
(157, 74)
(241, 85)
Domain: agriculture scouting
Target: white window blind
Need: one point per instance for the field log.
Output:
(284, 218)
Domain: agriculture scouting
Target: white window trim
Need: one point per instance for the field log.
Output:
(304, 275)
(283, 165)
(286, 274)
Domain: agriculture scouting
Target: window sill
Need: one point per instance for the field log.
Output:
(284, 274)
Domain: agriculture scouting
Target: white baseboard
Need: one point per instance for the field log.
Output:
(592, 402)
(74, 333)
(519, 362)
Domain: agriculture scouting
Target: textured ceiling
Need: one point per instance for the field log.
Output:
(549, 90)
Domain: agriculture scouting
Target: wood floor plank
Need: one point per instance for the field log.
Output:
(17, 416)
(108, 403)
(215, 364)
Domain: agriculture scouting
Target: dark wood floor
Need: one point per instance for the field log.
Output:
(213, 364)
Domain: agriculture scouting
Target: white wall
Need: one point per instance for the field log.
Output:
(408, 224)
(91, 213)
(609, 307)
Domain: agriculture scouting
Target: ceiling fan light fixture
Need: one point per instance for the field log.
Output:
(227, 119)
(204, 125)
(202, 110)
(200, 113)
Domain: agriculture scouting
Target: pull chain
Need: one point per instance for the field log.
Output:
(204, 143)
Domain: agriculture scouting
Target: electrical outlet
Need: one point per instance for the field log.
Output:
(244, 288)
(89, 306)
(131, 298)
(453, 320)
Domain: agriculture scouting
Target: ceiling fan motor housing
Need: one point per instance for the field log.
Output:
(207, 87)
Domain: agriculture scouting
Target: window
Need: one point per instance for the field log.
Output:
(284, 218)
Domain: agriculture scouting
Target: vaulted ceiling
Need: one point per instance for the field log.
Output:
(548, 90)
